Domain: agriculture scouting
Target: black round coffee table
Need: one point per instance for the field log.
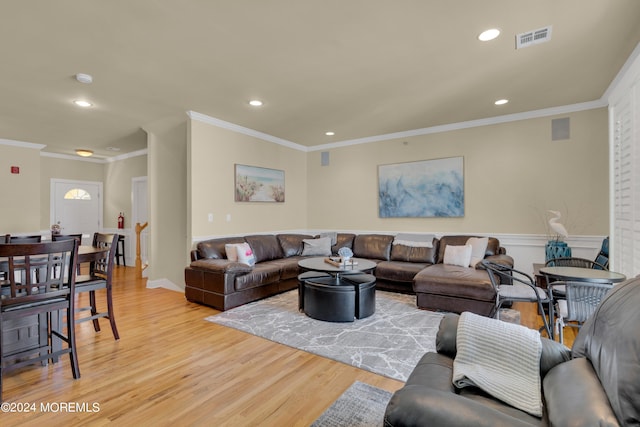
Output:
(357, 265)
(337, 293)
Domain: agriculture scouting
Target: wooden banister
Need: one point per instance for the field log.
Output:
(139, 266)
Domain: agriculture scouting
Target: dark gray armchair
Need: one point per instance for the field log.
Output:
(596, 383)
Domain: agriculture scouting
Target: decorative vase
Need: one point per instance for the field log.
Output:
(556, 249)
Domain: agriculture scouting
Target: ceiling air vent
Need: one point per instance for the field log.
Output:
(533, 37)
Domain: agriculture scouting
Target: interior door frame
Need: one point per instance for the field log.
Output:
(134, 202)
(52, 196)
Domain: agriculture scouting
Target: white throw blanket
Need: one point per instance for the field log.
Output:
(501, 358)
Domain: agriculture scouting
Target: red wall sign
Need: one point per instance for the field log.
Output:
(15, 169)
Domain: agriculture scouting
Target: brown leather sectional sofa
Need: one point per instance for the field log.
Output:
(213, 280)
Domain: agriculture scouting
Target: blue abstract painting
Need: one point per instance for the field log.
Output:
(429, 188)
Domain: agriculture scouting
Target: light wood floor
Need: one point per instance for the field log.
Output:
(171, 367)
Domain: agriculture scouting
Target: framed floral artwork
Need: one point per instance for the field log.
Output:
(256, 184)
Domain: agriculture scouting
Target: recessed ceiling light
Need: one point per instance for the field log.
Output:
(501, 101)
(82, 103)
(84, 153)
(487, 35)
(255, 103)
(329, 133)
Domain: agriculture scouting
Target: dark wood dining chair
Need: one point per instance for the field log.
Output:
(47, 295)
(25, 239)
(100, 277)
(61, 237)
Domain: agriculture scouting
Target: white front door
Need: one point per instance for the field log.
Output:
(76, 206)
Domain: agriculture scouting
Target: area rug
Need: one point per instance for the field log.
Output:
(361, 405)
(389, 343)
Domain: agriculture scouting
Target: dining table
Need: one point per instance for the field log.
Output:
(579, 274)
(576, 274)
(88, 253)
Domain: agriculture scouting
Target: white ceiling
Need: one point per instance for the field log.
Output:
(359, 68)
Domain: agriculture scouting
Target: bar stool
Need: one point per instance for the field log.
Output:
(120, 251)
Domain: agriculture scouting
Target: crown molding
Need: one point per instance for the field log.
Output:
(71, 157)
(21, 144)
(243, 130)
(546, 112)
(600, 103)
(125, 156)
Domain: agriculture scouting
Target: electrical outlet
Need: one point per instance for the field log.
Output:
(210, 217)
(228, 217)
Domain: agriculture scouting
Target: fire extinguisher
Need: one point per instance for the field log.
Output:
(121, 220)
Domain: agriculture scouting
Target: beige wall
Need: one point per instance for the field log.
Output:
(30, 190)
(167, 184)
(213, 153)
(19, 193)
(117, 189)
(514, 173)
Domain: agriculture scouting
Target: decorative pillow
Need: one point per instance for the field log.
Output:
(231, 250)
(479, 247)
(333, 235)
(457, 255)
(245, 254)
(317, 247)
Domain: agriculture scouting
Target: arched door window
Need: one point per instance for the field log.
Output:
(77, 194)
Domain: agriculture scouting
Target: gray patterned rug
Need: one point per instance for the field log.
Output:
(361, 405)
(389, 343)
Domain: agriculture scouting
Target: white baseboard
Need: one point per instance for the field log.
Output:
(164, 283)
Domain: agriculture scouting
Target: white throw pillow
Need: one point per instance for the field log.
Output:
(457, 255)
(245, 254)
(479, 247)
(231, 250)
(317, 247)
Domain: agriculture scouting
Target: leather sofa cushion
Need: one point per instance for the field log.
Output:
(430, 399)
(452, 280)
(493, 248)
(292, 244)
(221, 266)
(214, 248)
(610, 339)
(398, 271)
(288, 267)
(447, 335)
(343, 240)
(262, 274)
(575, 385)
(415, 254)
(265, 247)
(372, 246)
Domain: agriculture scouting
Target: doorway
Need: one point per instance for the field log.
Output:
(76, 206)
